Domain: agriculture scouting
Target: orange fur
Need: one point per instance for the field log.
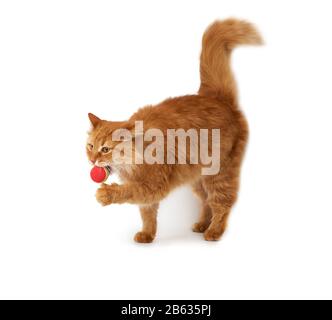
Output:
(215, 106)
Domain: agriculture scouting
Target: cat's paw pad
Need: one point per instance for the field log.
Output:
(199, 227)
(143, 237)
(212, 235)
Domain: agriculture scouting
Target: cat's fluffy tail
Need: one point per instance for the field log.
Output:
(218, 41)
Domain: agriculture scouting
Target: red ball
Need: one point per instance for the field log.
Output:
(100, 174)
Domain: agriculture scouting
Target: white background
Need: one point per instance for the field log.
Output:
(60, 60)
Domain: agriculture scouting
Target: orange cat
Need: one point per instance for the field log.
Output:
(214, 107)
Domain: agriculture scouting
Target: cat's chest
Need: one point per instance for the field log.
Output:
(125, 173)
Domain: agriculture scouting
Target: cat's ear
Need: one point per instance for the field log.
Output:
(94, 119)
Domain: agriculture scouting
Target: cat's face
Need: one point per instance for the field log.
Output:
(100, 144)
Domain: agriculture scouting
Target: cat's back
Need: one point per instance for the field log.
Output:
(191, 111)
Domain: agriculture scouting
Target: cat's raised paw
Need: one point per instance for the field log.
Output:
(199, 227)
(102, 196)
(143, 237)
(108, 194)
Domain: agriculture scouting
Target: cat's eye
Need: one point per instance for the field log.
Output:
(90, 146)
(105, 149)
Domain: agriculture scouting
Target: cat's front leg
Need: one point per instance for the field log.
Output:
(113, 193)
(133, 193)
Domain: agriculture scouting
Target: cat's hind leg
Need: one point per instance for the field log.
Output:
(222, 193)
(205, 215)
(222, 190)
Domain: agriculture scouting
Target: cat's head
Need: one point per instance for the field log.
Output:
(104, 140)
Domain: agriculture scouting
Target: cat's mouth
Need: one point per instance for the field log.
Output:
(103, 164)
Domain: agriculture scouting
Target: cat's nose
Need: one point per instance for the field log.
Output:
(93, 161)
